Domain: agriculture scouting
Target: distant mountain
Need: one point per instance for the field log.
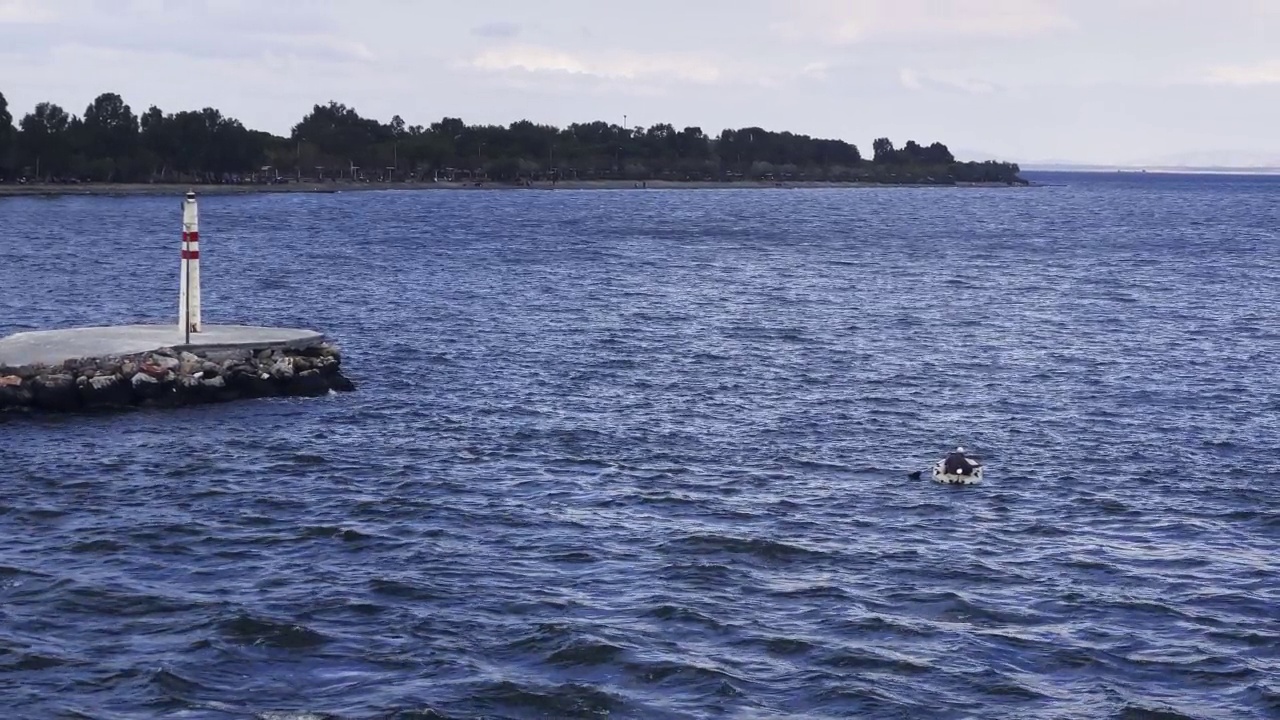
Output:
(1243, 159)
(1188, 161)
(1221, 169)
(1067, 166)
(969, 154)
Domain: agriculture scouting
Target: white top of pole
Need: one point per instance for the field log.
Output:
(190, 217)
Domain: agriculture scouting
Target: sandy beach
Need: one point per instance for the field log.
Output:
(37, 189)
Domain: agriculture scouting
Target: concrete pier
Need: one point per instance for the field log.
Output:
(134, 366)
(54, 347)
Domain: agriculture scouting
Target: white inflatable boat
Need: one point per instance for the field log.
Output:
(958, 469)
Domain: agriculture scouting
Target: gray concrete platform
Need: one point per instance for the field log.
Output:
(55, 346)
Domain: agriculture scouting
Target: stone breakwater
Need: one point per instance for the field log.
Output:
(170, 378)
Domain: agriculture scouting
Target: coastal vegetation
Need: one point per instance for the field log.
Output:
(112, 143)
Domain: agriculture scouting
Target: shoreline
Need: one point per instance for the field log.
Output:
(144, 189)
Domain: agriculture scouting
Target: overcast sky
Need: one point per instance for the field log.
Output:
(1111, 81)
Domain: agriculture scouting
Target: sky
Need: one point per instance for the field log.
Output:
(1128, 82)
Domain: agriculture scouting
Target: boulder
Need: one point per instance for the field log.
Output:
(104, 391)
(283, 369)
(189, 364)
(28, 372)
(308, 383)
(252, 384)
(217, 390)
(142, 380)
(190, 390)
(148, 388)
(151, 366)
(340, 383)
(55, 392)
(325, 364)
(168, 362)
(15, 396)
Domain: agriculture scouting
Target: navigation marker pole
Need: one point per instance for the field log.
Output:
(189, 293)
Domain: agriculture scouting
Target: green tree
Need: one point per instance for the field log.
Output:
(7, 139)
(111, 143)
(44, 141)
(884, 152)
(110, 137)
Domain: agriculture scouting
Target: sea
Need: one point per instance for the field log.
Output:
(651, 454)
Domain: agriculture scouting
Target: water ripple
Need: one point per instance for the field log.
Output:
(646, 455)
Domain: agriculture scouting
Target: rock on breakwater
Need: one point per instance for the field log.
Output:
(167, 377)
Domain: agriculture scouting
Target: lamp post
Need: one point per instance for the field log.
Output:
(189, 292)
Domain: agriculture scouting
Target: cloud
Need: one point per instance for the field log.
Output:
(914, 80)
(166, 41)
(526, 66)
(612, 66)
(25, 12)
(212, 28)
(817, 70)
(498, 29)
(315, 46)
(1266, 8)
(1262, 73)
(841, 22)
(167, 31)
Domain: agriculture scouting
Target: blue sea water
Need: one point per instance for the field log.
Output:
(645, 454)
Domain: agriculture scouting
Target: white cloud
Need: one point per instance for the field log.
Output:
(25, 12)
(817, 70)
(1262, 73)
(631, 72)
(613, 66)
(221, 29)
(843, 22)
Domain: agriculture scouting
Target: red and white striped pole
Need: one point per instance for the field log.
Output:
(189, 295)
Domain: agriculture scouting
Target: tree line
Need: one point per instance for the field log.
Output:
(109, 142)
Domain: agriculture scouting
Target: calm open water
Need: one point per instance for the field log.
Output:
(644, 454)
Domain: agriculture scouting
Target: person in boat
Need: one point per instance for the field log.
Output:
(957, 463)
